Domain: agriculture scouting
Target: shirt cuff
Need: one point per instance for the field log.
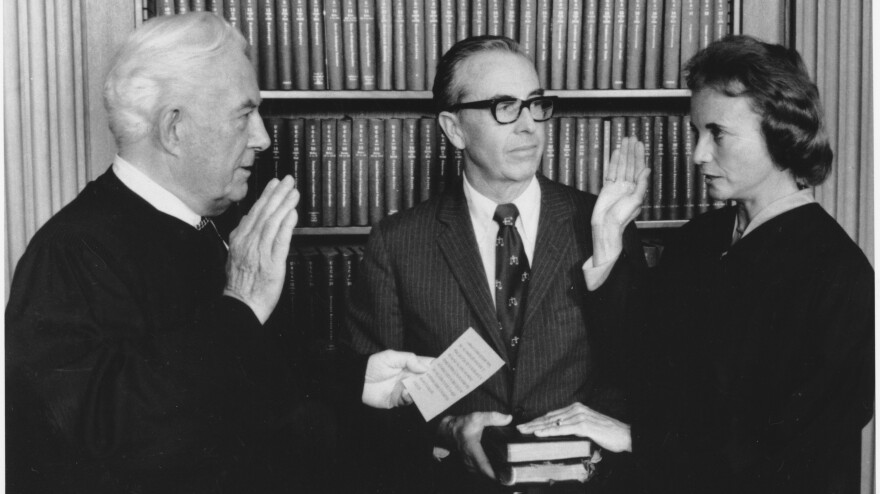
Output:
(595, 276)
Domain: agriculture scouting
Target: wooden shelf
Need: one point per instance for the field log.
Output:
(365, 230)
(427, 95)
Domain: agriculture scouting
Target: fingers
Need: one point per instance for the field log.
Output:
(642, 182)
(247, 222)
(418, 364)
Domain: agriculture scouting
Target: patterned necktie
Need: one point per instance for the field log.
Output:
(511, 277)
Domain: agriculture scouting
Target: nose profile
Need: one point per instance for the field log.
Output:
(258, 138)
(702, 155)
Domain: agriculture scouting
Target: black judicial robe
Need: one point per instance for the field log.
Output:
(759, 360)
(128, 371)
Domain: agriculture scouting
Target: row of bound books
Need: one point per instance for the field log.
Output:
(356, 171)
(396, 44)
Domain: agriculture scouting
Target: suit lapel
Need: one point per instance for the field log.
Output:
(459, 247)
(554, 236)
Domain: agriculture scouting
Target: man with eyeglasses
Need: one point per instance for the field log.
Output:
(505, 252)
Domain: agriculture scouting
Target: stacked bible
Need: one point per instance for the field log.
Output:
(519, 459)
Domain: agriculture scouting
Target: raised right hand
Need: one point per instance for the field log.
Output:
(258, 248)
(464, 433)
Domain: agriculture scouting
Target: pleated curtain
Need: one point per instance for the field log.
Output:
(44, 125)
(834, 37)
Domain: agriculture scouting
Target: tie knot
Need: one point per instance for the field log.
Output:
(506, 214)
(203, 223)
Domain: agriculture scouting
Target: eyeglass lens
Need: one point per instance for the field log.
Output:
(508, 111)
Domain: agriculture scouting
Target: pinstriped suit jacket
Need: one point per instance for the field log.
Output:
(422, 284)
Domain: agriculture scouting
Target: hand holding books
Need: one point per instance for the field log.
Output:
(463, 433)
(581, 420)
(383, 386)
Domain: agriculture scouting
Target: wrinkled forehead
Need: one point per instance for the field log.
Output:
(495, 72)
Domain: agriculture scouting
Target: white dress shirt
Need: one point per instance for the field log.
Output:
(482, 209)
(158, 196)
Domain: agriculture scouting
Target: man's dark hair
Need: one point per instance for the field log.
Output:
(775, 80)
(447, 90)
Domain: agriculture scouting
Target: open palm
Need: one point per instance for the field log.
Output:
(623, 190)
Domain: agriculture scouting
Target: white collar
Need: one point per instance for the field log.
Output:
(482, 209)
(150, 191)
(777, 207)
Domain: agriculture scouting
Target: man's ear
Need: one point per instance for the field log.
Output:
(452, 128)
(170, 120)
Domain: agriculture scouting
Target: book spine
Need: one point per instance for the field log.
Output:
(479, 16)
(589, 51)
(350, 44)
(632, 126)
(618, 132)
(574, 56)
(428, 162)
(297, 149)
(268, 49)
(581, 168)
(527, 15)
(673, 167)
(333, 44)
(164, 7)
(594, 154)
(707, 22)
(182, 6)
(415, 45)
(689, 199)
(328, 172)
(301, 63)
(284, 43)
(324, 340)
(410, 187)
(511, 19)
(566, 151)
(197, 5)
(690, 30)
(558, 44)
(294, 275)
(385, 63)
(604, 44)
(606, 147)
(313, 172)
(658, 192)
(310, 300)
(399, 42)
(618, 45)
(721, 13)
(432, 41)
(548, 161)
(495, 17)
(456, 166)
(462, 19)
(654, 44)
(376, 165)
(646, 135)
(635, 44)
(542, 42)
(360, 166)
(233, 13)
(393, 166)
(215, 7)
(343, 172)
(443, 159)
(671, 44)
(367, 43)
(447, 25)
(347, 275)
(316, 48)
(250, 28)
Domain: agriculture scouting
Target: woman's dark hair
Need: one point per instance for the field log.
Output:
(447, 91)
(775, 80)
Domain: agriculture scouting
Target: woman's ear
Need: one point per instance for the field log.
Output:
(452, 128)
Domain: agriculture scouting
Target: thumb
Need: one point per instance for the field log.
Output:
(418, 363)
(496, 418)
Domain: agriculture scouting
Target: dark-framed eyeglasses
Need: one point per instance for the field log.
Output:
(508, 110)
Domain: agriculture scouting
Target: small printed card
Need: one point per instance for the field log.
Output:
(466, 364)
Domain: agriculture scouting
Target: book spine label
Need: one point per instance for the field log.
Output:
(479, 10)
(542, 42)
(635, 43)
(328, 172)
(410, 187)
(594, 154)
(385, 63)
(198, 5)
(367, 43)
(566, 151)
(313, 171)
(721, 13)
(376, 177)
(604, 44)
(456, 167)
(548, 161)
(654, 44)
(646, 135)
(673, 167)
(589, 51)
(297, 149)
(618, 45)
(671, 44)
(511, 19)
(707, 22)
(350, 43)
(215, 7)
(393, 166)
(333, 40)
(690, 30)
(316, 48)
(250, 28)
(284, 43)
(343, 172)
(462, 19)
(268, 48)
(399, 42)
(581, 169)
(447, 25)
(233, 12)
(301, 64)
(658, 192)
(689, 199)
(573, 61)
(495, 20)
(558, 43)
(415, 45)
(164, 7)
(527, 27)
(182, 6)
(432, 41)
(428, 162)
(360, 145)
(443, 159)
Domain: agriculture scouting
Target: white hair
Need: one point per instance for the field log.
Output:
(162, 62)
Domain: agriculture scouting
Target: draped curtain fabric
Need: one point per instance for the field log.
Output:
(44, 119)
(834, 37)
